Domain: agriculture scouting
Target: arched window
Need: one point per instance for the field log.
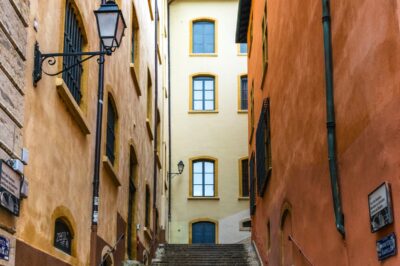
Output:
(203, 93)
(203, 36)
(111, 129)
(62, 236)
(203, 178)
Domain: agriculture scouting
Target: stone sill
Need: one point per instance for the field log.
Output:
(148, 233)
(203, 55)
(149, 131)
(244, 198)
(110, 169)
(242, 111)
(72, 106)
(135, 78)
(203, 112)
(203, 198)
(158, 160)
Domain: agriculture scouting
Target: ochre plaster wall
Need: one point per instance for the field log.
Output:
(60, 170)
(366, 86)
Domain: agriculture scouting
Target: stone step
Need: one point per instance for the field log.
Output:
(205, 255)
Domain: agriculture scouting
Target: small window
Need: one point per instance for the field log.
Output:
(147, 214)
(135, 39)
(203, 178)
(243, 48)
(73, 43)
(203, 94)
(203, 39)
(62, 236)
(243, 94)
(245, 225)
(111, 128)
(149, 98)
(244, 178)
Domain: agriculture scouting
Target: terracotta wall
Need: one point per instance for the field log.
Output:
(366, 46)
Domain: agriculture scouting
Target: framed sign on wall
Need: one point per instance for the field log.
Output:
(380, 207)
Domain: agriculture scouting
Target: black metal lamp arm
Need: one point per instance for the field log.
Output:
(40, 58)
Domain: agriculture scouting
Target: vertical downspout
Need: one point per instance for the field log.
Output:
(155, 123)
(96, 171)
(330, 113)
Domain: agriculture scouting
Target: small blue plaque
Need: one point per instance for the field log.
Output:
(386, 247)
(4, 248)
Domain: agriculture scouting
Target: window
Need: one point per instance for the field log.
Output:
(203, 37)
(147, 214)
(252, 111)
(111, 129)
(245, 225)
(62, 236)
(203, 178)
(242, 48)
(135, 39)
(244, 177)
(203, 93)
(264, 33)
(252, 187)
(263, 148)
(131, 230)
(243, 93)
(149, 98)
(73, 43)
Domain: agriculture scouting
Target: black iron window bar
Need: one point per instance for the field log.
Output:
(51, 60)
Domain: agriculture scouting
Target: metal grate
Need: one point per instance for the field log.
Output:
(73, 42)
(245, 178)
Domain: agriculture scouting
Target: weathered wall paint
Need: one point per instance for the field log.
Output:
(366, 86)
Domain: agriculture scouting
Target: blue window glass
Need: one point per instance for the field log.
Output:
(203, 37)
(203, 93)
(203, 178)
(243, 93)
(243, 48)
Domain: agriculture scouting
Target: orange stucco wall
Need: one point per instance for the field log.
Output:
(366, 59)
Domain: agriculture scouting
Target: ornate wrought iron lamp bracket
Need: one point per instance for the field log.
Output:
(50, 58)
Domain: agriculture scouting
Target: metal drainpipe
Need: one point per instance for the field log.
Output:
(96, 171)
(330, 113)
(155, 121)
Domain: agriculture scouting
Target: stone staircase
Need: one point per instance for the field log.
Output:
(206, 255)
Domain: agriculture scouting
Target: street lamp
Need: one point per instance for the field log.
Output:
(110, 25)
(181, 166)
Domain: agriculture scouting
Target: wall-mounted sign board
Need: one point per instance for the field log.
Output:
(380, 207)
(4, 248)
(10, 188)
(386, 247)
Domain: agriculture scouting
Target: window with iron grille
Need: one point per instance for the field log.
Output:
(244, 178)
(263, 149)
(73, 43)
(252, 187)
(62, 236)
(203, 93)
(203, 178)
(147, 214)
(243, 93)
(111, 125)
(203, 37)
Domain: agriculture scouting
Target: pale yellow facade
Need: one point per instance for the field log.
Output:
(219, 134)
(60, 136)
